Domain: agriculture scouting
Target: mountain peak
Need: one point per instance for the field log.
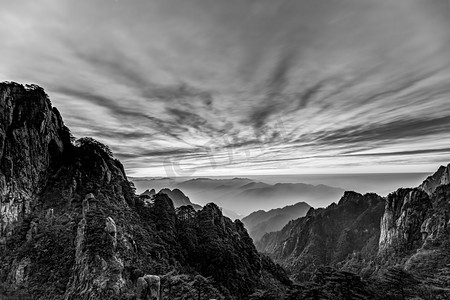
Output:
(440, 177)
(350, 197)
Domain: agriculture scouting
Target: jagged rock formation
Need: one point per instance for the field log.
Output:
(101, 275)
(72, 228)
(415, 232)
(369, 235)
(405, 211)
(441, 177)
(327, 236)
(32, 136)
(415, 229)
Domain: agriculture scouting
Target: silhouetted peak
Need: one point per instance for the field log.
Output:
(350, 197)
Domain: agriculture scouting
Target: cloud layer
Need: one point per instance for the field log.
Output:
(209, 87)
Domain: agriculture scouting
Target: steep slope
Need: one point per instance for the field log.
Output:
(400, 244)
(72, 227)
(327, 236)
(32, 137)
(415, 229)
(260, 222)
(405, 211)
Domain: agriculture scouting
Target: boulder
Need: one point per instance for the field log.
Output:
(111, 229)
(148, 287)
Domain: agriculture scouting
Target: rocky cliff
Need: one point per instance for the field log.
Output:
(327, 236)
(441, 177)
(72, 227)
(415, 229)
(405, 212)
(401, 242)
(32, 137)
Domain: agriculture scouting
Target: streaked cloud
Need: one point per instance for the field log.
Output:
(243, 87)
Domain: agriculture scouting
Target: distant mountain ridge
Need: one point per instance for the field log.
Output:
(260, 222)
(242, 195)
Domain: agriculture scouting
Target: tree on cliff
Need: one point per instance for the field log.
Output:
(90, 143)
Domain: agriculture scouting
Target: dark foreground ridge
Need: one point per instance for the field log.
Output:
(71, 226)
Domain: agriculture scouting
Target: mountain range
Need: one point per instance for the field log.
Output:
(243, 195)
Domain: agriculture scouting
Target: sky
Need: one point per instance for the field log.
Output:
(213, 87)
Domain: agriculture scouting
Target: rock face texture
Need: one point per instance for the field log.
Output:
(32, 136)
(441, 177)
(368, 234)
(405, 212)
(149, 288)
(415, 229)
(101, 275)
(72, 227)
(327, 236)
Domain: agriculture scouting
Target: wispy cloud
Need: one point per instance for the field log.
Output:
(243, 86)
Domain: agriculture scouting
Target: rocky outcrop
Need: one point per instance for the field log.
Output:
(405, 212)
(437, 223)
(97, 273)
(148, 288)
(32, 137)
(415, 230)
(416, 220)
(441, 177)
(327, 236)
(20, 272)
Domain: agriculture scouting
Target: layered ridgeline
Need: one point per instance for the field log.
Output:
(242, 195)
(261, 222)
(71, 226)
(400, 244)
